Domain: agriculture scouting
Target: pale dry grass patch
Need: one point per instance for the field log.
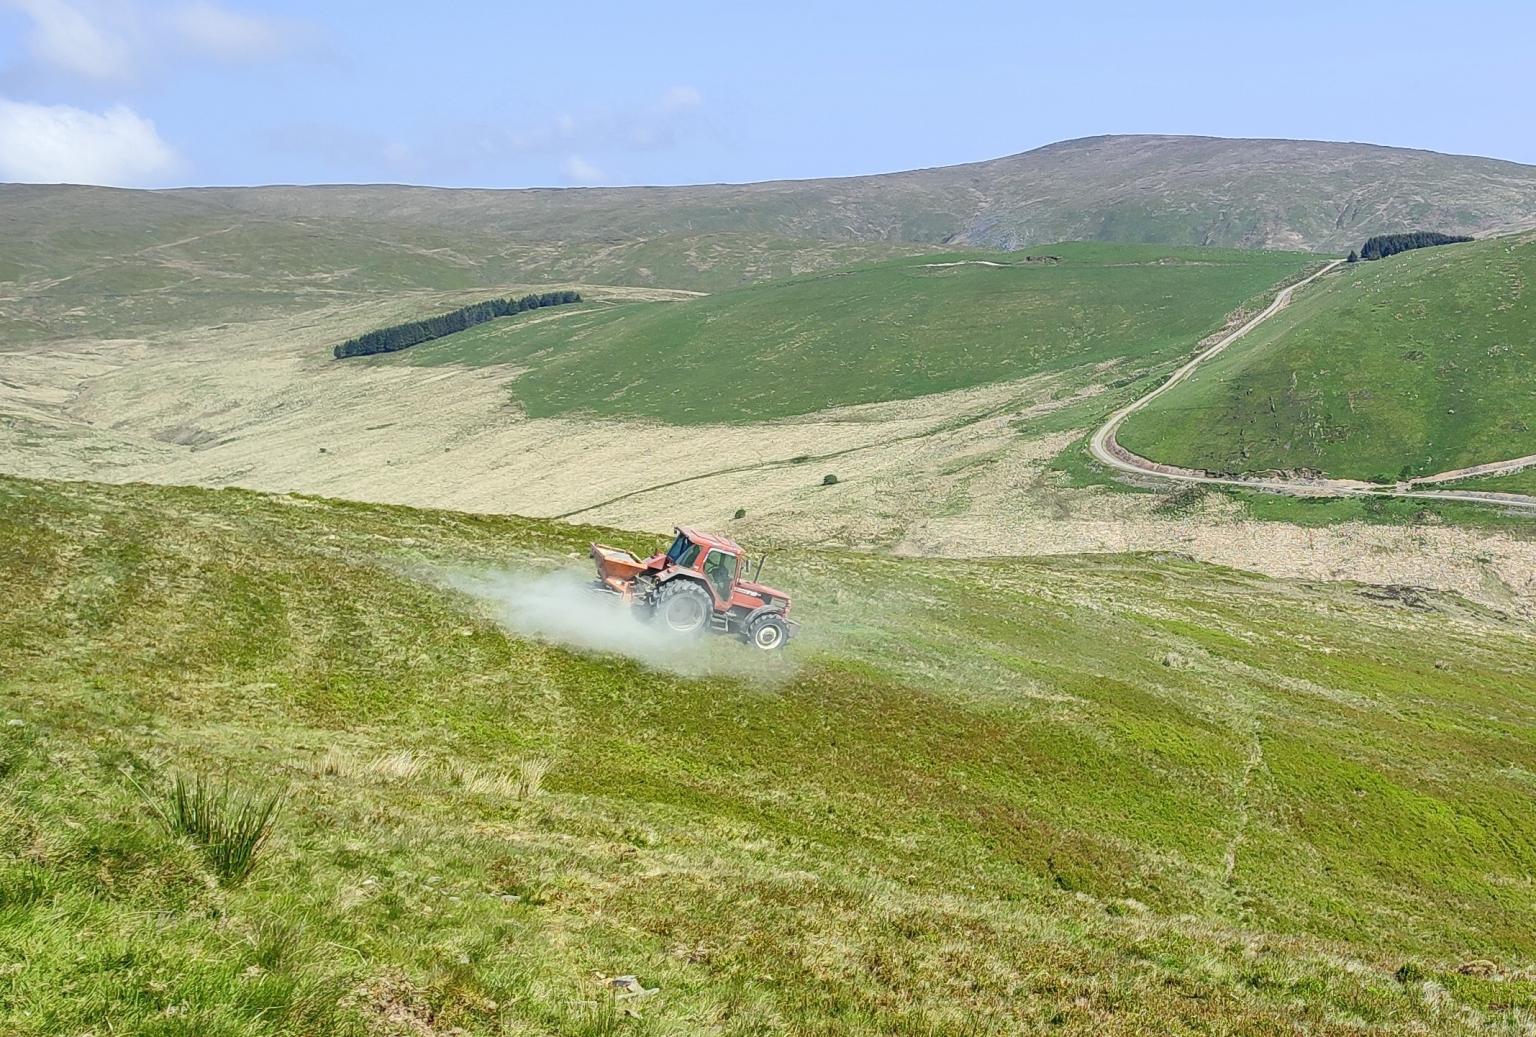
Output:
(336, 763)
(474, 780)
(351, 895)
(1434, 995)
(530, 775)
(397, 766)
(400, 765)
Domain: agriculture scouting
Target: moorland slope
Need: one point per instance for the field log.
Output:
(1098, 796)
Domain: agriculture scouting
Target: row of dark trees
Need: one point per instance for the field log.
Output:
(400, 336)
(1384, 245)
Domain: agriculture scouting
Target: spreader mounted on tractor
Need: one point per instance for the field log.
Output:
(698, 584)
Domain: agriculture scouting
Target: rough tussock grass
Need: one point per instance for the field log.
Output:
(228, 826)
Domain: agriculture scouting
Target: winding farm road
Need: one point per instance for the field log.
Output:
(1107, 450)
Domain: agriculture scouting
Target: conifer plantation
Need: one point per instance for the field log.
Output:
(1384, 245)
(412, 333)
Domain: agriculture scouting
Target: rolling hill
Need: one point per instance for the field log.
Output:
(892, 331)
(1099, 796)
(1408, 366)
(96, 261)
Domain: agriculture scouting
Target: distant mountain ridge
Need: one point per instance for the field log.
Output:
(85, 260)
(1246, 193)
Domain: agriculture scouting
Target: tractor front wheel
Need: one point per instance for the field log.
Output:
(768, 632)
(684, 607)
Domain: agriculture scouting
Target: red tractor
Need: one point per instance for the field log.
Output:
(698, 584)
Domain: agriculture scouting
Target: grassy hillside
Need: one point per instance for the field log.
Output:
(1411, 365)
(895, 330)
(1097, 796)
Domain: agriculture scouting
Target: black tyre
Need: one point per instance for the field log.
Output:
(683, 607)
(768, 632)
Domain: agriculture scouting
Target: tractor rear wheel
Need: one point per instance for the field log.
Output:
(684, 607)
(768, 632)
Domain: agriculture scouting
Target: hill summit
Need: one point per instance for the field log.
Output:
(1246, 193)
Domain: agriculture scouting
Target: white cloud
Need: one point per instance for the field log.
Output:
(82, 42)
(579, 171)
(61, 144)
(681, 98)
(114, 40)
(221, 33)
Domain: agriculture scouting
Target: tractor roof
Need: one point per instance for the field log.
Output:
(710, 540)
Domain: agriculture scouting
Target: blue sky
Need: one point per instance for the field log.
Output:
(163, 92)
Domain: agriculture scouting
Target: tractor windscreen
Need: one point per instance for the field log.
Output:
(683, 552)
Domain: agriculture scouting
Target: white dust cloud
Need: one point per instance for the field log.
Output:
(561, 608)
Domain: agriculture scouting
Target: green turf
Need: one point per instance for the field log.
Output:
(1120, 795)
(1411, 365)
(887, 331)
(1523, 481)
(525, 338)
(1382, 510)
(1075, 467)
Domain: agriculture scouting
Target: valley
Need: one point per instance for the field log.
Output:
(1164, 584)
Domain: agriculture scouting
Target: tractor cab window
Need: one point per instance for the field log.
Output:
(683, 552)
(720, 568)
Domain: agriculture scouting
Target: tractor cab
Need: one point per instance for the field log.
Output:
(724, 566)
(718, 560)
